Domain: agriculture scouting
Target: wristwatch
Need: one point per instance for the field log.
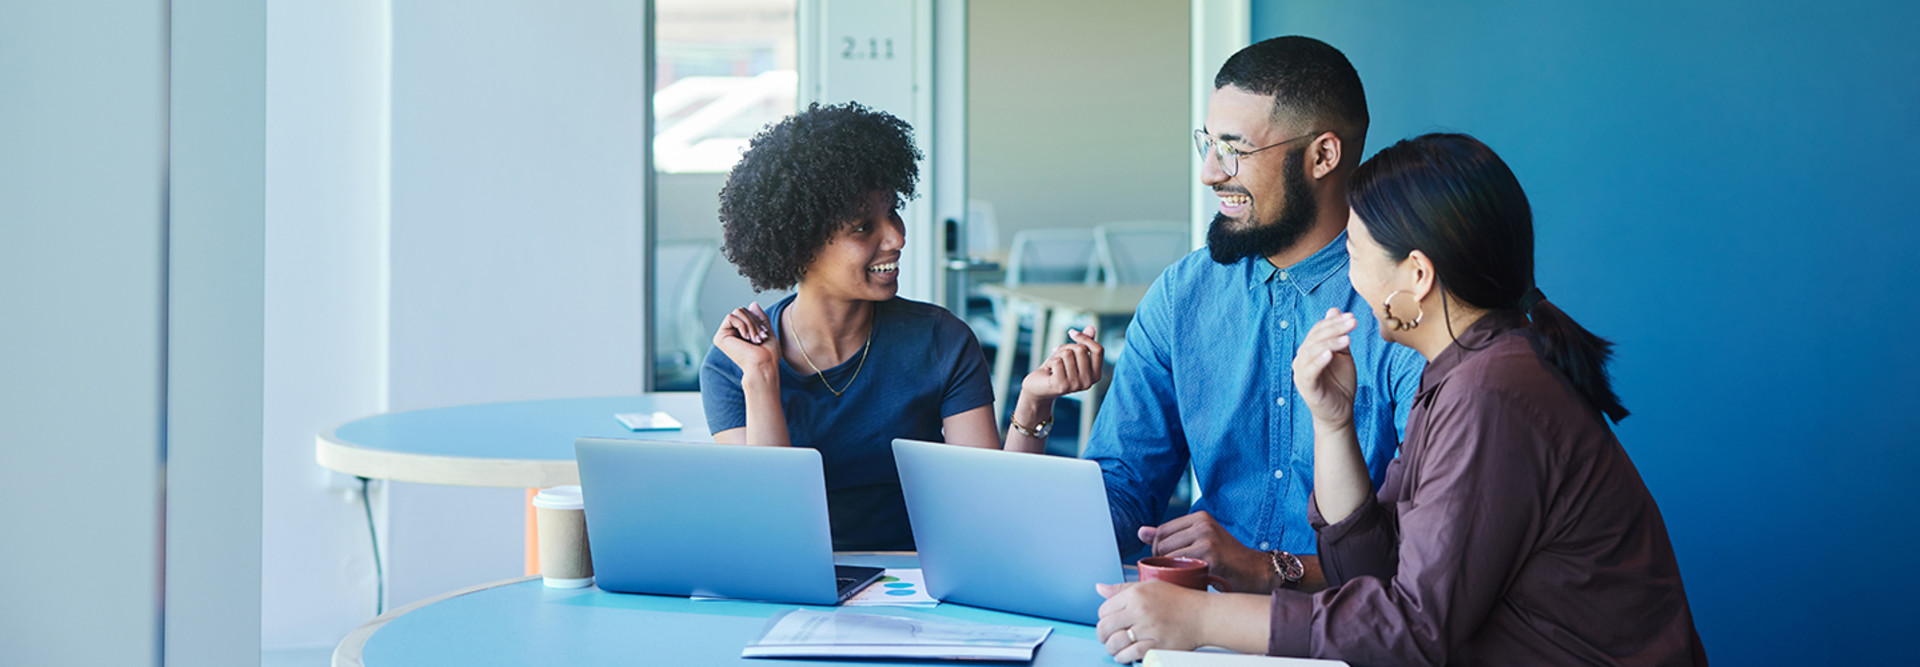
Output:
(1039, 430)
(1287, 567)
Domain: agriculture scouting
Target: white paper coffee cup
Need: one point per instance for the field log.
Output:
(561, 520)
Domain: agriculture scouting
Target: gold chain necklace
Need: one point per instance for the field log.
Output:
(874, 324)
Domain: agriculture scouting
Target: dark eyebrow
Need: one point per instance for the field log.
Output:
(1230, 137)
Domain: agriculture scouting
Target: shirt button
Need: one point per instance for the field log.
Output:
(1283, 275)
(1277, 474)
(1280, 401)
(1284, 324)
(1264, 546)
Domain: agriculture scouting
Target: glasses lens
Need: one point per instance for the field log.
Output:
(1229, 160)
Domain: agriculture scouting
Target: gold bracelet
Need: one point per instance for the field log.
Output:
(1038, 431)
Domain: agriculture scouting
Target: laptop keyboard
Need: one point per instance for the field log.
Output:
(841, 583)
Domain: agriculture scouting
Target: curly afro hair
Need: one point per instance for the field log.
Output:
(803, 179)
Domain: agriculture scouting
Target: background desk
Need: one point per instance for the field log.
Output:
(522, 622)
(1054, 306)
(522, 444)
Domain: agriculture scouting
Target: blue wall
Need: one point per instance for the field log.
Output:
(1725, 190)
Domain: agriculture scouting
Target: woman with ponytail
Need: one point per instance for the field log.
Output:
(1512, 528)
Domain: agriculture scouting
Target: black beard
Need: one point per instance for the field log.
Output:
(1263, 240)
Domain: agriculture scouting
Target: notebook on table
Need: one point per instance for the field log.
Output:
(708, 520)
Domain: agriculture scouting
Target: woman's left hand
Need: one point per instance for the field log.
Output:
(1160, 615)
(1075, 366)
(1323, 370)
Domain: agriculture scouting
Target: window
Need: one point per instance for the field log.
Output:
(724, 69)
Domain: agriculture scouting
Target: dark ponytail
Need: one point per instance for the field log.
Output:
(1580, 354)
(1451, 197)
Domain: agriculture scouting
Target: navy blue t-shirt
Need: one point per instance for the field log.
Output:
(924, 366)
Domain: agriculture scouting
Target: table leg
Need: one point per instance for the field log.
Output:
(533, 537)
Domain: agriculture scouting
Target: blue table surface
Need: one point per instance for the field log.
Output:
(532, 430)
(529, 624)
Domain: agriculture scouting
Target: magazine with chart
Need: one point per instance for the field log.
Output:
(804, 633)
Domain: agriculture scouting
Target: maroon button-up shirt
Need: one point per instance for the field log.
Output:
(1512, 530)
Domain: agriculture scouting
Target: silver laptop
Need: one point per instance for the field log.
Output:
(709, 520)
(1025, 533)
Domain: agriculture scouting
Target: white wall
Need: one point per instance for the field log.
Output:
(326, 309)
(516, 240)
(1078, 111)
(82, 283)
(215, 257)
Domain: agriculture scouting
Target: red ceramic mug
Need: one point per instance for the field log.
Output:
(1181, 571)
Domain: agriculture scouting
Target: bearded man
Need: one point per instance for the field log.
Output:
(1206, 377)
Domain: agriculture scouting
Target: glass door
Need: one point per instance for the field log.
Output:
(723, 69)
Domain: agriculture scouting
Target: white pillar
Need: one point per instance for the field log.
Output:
(326, 315)
(215, 299)
(1220, 28)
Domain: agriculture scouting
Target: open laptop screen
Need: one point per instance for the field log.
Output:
(705, 519)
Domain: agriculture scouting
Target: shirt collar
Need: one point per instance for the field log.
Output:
(1467, 344)
(1305, 275)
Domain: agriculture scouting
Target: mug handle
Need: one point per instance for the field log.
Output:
(1219, 584)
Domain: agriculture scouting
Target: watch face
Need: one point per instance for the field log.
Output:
(1294, 569)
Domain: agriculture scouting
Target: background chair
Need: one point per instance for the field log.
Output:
(1136, 252)
(1051, 256)
(1038, 256)
(982, 312)
(983, 227)
(680, 272)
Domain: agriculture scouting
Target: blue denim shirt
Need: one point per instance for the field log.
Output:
(1207, 379)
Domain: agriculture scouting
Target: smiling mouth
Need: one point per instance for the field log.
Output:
(889, 267)
(1235, 200)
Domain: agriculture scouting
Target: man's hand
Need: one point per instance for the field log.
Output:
(1197, 535)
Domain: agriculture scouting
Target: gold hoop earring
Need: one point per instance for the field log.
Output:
(1397, 323)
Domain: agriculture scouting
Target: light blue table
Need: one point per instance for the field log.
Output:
(522, 622)
(522, 444)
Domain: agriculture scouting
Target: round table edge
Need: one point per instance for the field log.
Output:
(347, 653)
(344, 457)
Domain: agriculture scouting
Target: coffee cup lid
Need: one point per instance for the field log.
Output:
(560, 498)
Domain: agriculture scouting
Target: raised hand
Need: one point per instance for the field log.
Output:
(746, 337)
(1323, 369)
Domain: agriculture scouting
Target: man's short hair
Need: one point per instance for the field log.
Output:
(1310, 81)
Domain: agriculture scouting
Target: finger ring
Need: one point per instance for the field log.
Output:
(1130, 638)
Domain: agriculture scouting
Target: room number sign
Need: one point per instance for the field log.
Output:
(871, 48)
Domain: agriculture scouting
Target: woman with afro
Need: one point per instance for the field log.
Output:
(845, 365)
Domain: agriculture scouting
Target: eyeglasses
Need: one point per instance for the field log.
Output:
(1230, 156)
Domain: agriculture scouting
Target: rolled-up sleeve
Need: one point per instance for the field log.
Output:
(1364, 544)
(1469, 515)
